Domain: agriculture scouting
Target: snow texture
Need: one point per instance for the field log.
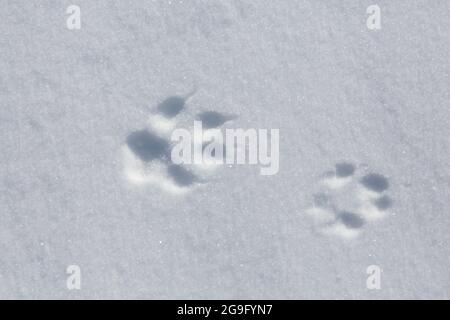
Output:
(85, 177)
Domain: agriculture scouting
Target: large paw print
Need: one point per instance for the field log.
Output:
(147, 152)
(347, 201)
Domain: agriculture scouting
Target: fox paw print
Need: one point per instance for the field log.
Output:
(147, 152)
(348, 201)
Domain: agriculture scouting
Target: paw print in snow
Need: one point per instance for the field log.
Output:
(346, 201)
(147, 152)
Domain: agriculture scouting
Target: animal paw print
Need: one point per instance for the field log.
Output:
(147, 152)
(347, 201)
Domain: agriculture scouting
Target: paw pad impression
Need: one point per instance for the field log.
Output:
(147, 152)
(347, 201)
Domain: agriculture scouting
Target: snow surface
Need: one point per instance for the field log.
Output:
(338, 92)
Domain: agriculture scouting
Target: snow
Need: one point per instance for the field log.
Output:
(338, 92)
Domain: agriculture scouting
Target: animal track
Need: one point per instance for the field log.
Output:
(212, 119)
(147, 152)
(347, 202)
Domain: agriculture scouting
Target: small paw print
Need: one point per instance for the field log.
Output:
(347, 201)
(147, 152)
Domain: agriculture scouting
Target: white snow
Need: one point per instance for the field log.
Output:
(378, 100)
